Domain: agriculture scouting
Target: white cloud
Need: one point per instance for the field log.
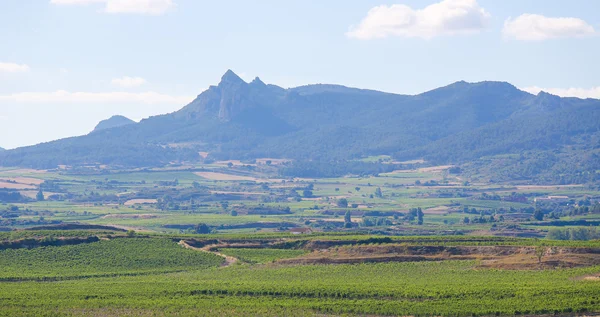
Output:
(62, 96)
(593, 92)
(535, 27)
(448, 17)
(13, 68)
(75, 2)
(128, 82)
(148, 7)
(151, 7)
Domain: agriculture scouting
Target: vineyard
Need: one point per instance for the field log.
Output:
(154, 276)
(104, 258)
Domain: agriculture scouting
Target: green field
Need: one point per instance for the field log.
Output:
(156, 277)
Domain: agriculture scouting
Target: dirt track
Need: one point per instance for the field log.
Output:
(229, 260)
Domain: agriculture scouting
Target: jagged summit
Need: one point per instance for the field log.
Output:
(257, 82)
(231, 78)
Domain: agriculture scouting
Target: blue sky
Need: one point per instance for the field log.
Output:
(66, 64)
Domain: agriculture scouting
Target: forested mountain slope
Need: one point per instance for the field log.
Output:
(234, 119)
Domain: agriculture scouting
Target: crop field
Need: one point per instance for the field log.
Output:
(114, 257)
(239, 239)
(154, 276)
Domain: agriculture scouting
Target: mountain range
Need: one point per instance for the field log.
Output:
(459, 123)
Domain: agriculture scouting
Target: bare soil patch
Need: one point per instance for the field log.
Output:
(8, 185)
(496, 257)
(225, 177)
(434, 168)
(129, 216)
(132, 202)
(439, 210)
(229, 260)
(23, 180)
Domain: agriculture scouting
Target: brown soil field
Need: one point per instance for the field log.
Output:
(439, 210)
(434, 168)
(495, 257)
(26, 171)
(132, 202)
(230, 177)
(130, 216)
(23, 180)
(224, 177)
(8, 185)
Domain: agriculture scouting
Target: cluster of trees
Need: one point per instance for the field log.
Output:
(415, 213)
(376, 221)
(589, 233)
(12, 196)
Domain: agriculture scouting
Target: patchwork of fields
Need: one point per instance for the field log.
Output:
(241, 240)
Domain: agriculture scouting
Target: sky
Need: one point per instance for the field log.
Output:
(67, 64)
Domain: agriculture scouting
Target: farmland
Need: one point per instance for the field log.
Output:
(241, 239)
(153, 275)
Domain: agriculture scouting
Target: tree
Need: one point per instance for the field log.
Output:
(538, 214)
(40, 195)
(342, 203)
(307, 193)
(540, 251)
(378, 192)
(357, 188)
(420, 215)
(268, 162)
(466, 220)
(202, 228)
(234, 213)
(131, 233)
(230, 165)
(348, 220)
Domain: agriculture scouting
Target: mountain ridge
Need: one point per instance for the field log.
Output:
(236, 119)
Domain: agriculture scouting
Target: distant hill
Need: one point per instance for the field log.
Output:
(113, 122)
(459, 123)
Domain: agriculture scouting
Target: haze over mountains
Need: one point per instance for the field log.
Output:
(458, 123)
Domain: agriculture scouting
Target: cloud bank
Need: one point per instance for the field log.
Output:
(535, 27)
(13, 68)
(147, 7)
(448, 17)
